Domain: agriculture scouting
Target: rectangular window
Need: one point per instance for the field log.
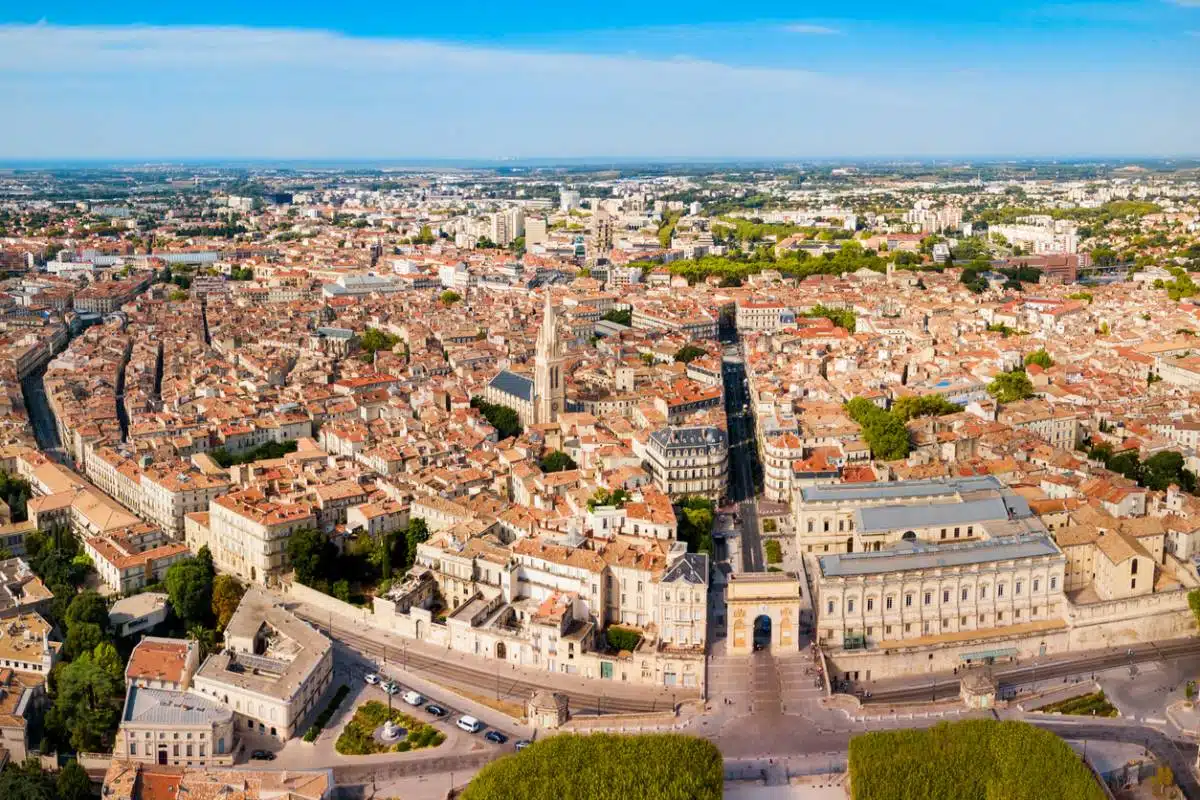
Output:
(830, 607)
(908, 601)
(928, 598)
(1020, 585)
(945, 595)
(1036, 584)
(850, 606)
(982, 592)
(133, 748)
(870, 604)
(907, 627)
(887, 630)
(889, 602)
(1000, 590)
(964, 593)
(1054, 580)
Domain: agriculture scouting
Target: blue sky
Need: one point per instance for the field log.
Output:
(253, 79)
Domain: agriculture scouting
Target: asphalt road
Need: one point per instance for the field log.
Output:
(743, 455)
(1179, 755)
(502, 682)
(45, 429)
(944, 686)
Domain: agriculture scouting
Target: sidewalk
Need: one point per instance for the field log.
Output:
(398, 646)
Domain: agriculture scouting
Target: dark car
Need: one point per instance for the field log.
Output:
(436, 710)
(262, 755)
(495, 737)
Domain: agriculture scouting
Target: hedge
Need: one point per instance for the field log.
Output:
(622, 638)
(603, 766)
(970, 760)
(1085, 706)
(323, 718)
(358, 737)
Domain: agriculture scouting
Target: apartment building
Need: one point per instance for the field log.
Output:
(25, 645)
(273, 670)
(247, 533)
(1058, 426)
(128, 559)
(689, 460)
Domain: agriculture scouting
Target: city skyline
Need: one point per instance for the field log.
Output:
(315, 82)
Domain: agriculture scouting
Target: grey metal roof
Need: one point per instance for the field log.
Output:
(922, 555)
(514, 384)
(162, 707)
(850, 492)
(692, 436)
(890, 518)
(690, 568)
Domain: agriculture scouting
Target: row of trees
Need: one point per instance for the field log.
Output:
(850, 258)
(601, 766)
(15, 492)
(1157, 472)
(970, 760)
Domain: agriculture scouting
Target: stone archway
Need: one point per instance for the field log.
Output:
(751, 596)
(762, 632)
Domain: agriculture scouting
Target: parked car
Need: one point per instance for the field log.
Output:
(436, 710)
(391, 688)
(495, 737)
(413, 698)
(371, 678)
(522, 744)
(469, 724)
(262, 755)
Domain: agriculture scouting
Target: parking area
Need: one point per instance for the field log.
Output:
(352, 670)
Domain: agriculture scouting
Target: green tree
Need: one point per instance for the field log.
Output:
(308, 550)
(558, 461)
(1163, 469)
(1041, 358)
(73, 782)
(341, 590)
(87, 606)
(619, 638)
(189, 587)
(619, 316)
(416, 533)
(87, 703)
(689, 353)
(1194, 604)
(449, 297)
(505, 420)
(884, 433)
(27, 781)
(205, 639)
(929, 405)
(1009, 387)
(108, 659)
(82, 638)
(226, 595)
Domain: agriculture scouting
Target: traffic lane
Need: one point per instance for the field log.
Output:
(454, 710)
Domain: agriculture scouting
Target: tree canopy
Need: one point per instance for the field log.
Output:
(884, 432)
(602, 766)
(307, 549)
(1009, 387)
(688, 353)
(1041, 358)
(970, 760)
(189, 587)
(505, 420)
(557, 461)
(927, 405)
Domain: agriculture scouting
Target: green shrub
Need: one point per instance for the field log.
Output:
(774, 551)
(602, 766)
(358, 737)
(312, 733)
(622, 638)
(970, 760)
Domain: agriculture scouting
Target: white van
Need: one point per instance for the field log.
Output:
(412, 698)
(469, 724)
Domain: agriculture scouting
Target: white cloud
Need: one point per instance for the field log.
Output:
(1186, 3)
(811, 30)
(232, 92)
